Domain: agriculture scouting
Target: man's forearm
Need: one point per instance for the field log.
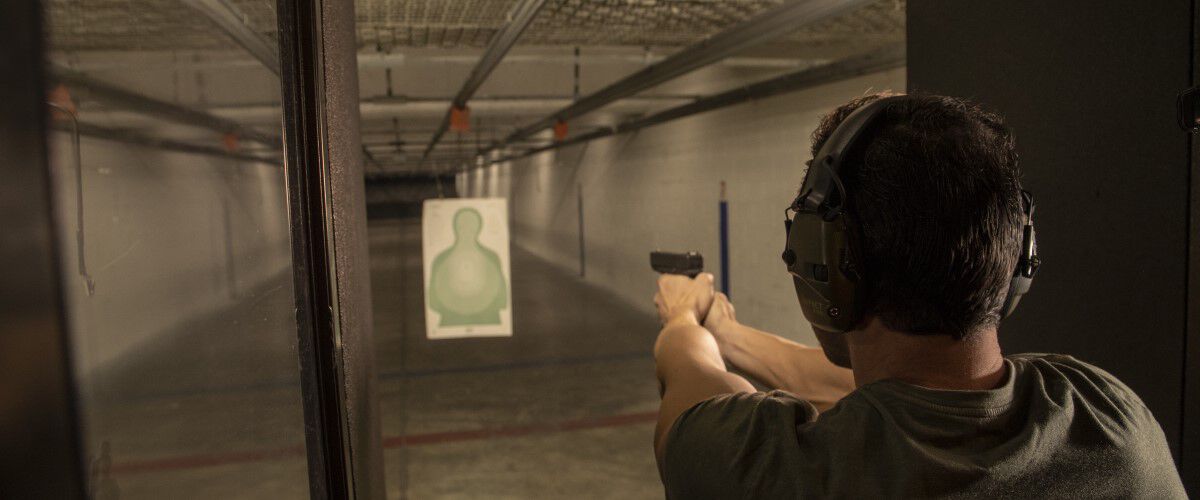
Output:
(684, 343)
(689, 370)
(783, 364)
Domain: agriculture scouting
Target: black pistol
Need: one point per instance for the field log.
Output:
(688, 264)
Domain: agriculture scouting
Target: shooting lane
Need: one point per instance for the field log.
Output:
(223, 341)
(1089, 89)
(564, 406)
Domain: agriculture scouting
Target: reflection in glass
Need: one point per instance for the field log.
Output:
(166, 155)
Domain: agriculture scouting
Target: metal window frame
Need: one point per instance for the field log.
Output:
(40, 435)
(327, 213)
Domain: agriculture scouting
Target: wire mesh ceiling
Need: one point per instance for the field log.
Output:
(141, 25)
(642, 23)
(144, 25)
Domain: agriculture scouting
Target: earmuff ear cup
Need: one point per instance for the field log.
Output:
(1016, 288)
(1027, 264)
(845, 313)
(819, 259)
(815, 256)
(816, 251)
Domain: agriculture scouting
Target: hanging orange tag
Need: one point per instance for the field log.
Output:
(231, 142)
(62, 97)
(460, 119)
(560, 130)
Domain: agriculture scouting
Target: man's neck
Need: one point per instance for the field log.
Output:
(933, 361)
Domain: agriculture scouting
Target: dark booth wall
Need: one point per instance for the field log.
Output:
(1089, 89)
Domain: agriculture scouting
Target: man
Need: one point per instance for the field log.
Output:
(931, 408)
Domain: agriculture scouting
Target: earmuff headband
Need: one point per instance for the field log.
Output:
(817, 253)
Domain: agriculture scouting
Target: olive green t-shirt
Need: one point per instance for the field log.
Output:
(1056, 428)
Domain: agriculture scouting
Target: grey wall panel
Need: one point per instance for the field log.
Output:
(341, 95)
(1089, 88)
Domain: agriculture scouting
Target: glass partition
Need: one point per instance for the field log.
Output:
(165, 149)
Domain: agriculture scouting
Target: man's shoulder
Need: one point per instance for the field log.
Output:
(729, 443)
(735, 409)
(1106, 415)
(1091, 397)
(1042, 360)
(1061, 372)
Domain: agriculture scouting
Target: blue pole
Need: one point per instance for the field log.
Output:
(582, 255)
(724, 242)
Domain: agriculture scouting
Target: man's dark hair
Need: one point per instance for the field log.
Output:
(934, 191)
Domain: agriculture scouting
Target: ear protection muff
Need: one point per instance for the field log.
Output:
(818, 254)
(1027, 263)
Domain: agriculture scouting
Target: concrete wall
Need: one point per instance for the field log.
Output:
(169, 238)
(659, 189)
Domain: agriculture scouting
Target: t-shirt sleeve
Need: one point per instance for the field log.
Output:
(1118, 416)
(733, 445)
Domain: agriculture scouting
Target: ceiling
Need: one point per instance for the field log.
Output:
(440, 40)
(386, 24)
(145, 25)
(389, 25)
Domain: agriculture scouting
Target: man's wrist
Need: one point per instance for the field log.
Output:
(682, 318)
(678, 327)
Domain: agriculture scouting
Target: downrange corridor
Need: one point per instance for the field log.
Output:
(563, 408)
(222, 342)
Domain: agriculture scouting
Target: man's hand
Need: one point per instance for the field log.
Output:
(721, 320)
(680, 298)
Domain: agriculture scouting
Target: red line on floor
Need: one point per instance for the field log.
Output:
(198, 461)
(520, 430)
(217, 459)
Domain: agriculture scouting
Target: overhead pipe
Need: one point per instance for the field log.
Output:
(532, 55)
(131, 101)
(497, 48)
(890, 57)
(232, 21)
(265, 114)
(766, 26)
(130, 137)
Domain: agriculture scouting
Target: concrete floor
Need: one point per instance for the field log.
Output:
(564, 408)
(209, 410)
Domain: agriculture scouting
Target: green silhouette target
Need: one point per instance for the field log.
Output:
(467, 291)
